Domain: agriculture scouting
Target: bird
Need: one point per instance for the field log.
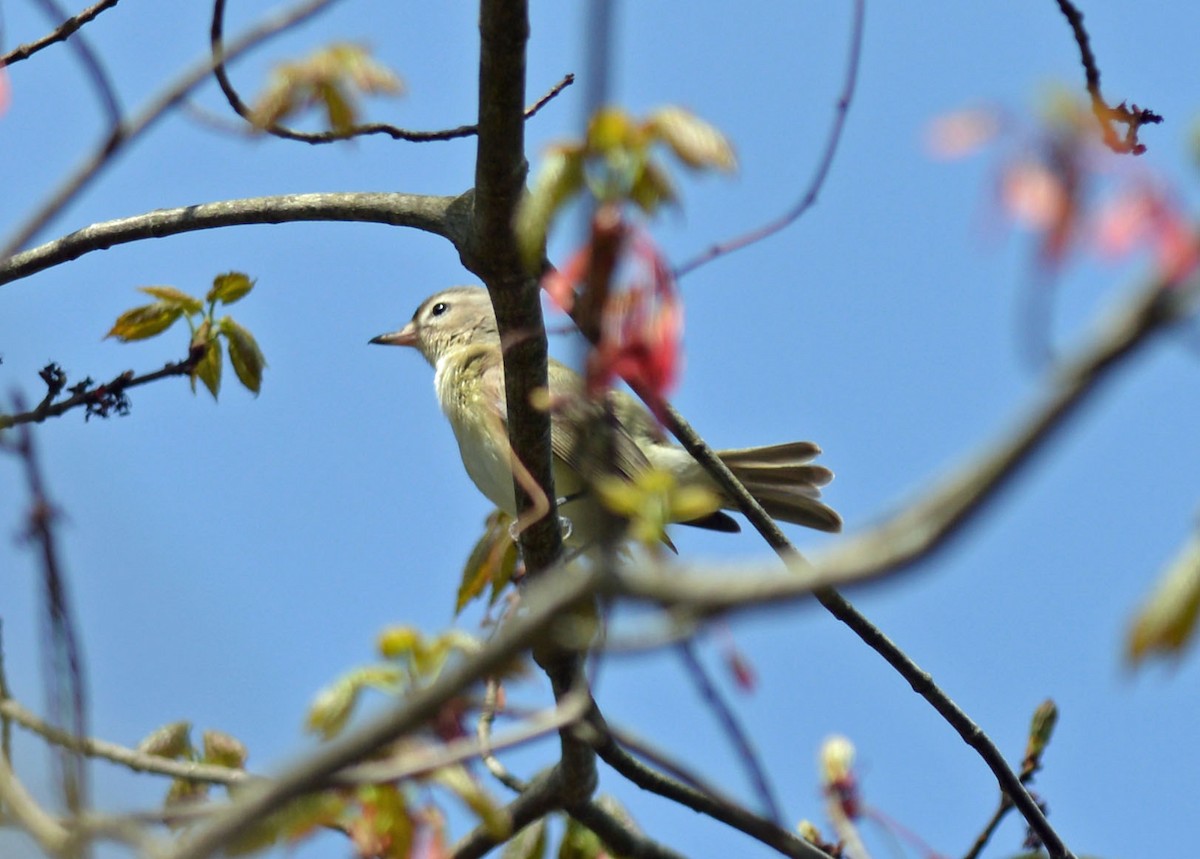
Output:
(456, 331)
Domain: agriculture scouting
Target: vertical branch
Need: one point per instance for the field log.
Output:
(491, 252)
(64, 673)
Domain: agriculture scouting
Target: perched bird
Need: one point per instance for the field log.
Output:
(456, 331)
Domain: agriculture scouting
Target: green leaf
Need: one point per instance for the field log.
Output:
(247, 359)
(333, 78)
(492, 561)
(208, 368)
(185, 790)
(652, 188)
(170, 741)
(334, 705)
(612, 128)
(384, 826)
(458, 781)
(529, 843)
(1167, 620)
(143, 322)
(696, 143)
(224, 750)
(579, 842)
(559, 179)
(173, 297)
(229, 287)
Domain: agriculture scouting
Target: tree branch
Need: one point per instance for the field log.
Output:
(443, 216)
(216, 36)
(544, 603)
(1133, 118)
(59, 34)
(158, 107)
(809, 198)
(717, 807)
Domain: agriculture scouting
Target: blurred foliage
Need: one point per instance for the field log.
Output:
(331, 78)
(615, 163)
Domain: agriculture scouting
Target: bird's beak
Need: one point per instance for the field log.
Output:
(406, 336)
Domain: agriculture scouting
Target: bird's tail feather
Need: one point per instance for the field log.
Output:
(785, 482)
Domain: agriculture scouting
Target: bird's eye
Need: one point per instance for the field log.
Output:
(439, 308)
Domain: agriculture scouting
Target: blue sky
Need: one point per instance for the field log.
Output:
(227, 560)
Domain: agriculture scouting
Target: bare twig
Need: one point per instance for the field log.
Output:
(158, 107)
(91, 64)
(834, 137)
(100, 399)
(733, 729)
(60, 33)
(483, 731)
(62, 650)
(713, 805)
(1133, 118)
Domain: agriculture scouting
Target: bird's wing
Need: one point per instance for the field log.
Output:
(574, 416)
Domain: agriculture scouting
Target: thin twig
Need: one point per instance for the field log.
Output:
(1133, 118)
(713, 805)
(91, 64)
(62, 649)
(60, 33)
(733, 729)
(101, 156)
(834, 137)
(411, 763)
(629, 742)
(5, 695)
(216, 35)
(100, 399)
(483, 732)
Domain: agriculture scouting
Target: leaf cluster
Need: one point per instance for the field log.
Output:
(332, 78)
(207, 331)
(173, 741)
(616, 163)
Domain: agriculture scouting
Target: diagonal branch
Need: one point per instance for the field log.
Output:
(59, 34)
(544, 604)
(156, 109)
(809, 198)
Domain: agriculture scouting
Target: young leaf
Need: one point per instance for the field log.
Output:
(579, 842)
(208, 368)
(560, 179)
(529, 843)
(492, 561)
(696, 143)
(332, 77)
(173, 297)
(228, 288)
(1167, 620)
(172, 740)
(244, 354)
(224, 749)
(143, 322)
